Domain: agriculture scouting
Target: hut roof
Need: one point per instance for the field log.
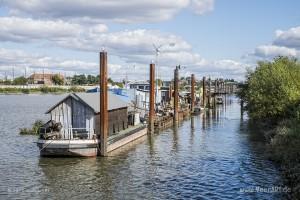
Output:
(92, 100)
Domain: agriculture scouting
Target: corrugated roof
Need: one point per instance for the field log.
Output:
(93, 101)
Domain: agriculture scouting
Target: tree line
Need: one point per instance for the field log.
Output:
(81, 79)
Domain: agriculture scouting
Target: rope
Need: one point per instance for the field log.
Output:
(46, 145)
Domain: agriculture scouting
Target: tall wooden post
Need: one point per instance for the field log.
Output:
(176, 95)
(192, 93)
(103, 104)
(215, 93)
(209, 93)
(204, 92)
(170, 92)
(151, 101)
(216, 86)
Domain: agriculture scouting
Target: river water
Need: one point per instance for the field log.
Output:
(209, 156)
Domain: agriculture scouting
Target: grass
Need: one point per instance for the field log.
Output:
(34, 130)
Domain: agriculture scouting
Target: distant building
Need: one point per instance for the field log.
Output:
(46, 79)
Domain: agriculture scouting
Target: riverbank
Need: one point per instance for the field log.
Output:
(282, 142)
(40, 90)
(271, 96)
(284, 147)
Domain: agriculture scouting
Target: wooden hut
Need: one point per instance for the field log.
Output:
(79, 115)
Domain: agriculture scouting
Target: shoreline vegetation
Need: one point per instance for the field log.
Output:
(271, 97)
(40, 90)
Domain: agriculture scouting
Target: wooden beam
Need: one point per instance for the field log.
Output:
(151, 101)
(192, 93)
(176, 94)
(103, 104)
(204, 92)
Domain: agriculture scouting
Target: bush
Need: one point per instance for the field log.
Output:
(285, 148)
(34, 130)
(25, 91)
(272, 90)
(76, 89)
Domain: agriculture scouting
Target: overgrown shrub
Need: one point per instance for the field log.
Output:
(34, 130)
(272, 89)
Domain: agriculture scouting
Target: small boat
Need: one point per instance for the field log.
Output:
(198, 110)
(219, 100)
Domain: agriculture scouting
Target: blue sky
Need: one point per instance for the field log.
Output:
(217, 38)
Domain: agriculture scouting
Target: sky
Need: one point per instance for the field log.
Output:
(216, 38)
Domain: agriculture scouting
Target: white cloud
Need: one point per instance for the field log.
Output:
(286, 43)
(130, 11)
(12, 58)
(201, 7)
(26, 29)
(271, 51)
(289, 38)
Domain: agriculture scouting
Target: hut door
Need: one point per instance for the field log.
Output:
(78, 116)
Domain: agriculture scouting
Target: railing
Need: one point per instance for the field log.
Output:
(70, 134)
(77, 133)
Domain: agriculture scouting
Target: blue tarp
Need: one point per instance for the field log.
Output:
(122, 93)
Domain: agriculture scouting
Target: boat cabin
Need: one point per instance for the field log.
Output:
(79, 115)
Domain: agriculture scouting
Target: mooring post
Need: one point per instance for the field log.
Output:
(215, 93)
(103, 104)
(204, 92)
(152, 97)
(170, 92)
(192, 92)
(176, 96)
(209, 92)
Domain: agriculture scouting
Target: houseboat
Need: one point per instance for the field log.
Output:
(74, 126)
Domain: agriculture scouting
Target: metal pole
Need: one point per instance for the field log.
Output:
(103, 104)
(192, 92)
(152, 99)
(176, 96)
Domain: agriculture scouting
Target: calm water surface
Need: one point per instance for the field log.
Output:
(206, 157)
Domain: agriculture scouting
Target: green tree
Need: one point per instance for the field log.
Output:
(91, 79)
(109, 80)
(272, 90)
(20, 81)
(79, 80)
(57, 80)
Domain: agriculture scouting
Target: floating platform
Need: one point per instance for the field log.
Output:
(68, 148)
(88, 147)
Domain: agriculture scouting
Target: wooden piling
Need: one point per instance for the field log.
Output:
(209, 93)
(170, 92)
(176, 95)
(204, 92)
(151, 101)
(193, 93)
(215, 93)
(103, 104)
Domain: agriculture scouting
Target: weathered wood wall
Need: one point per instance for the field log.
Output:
(117, 121)
(73, 114)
